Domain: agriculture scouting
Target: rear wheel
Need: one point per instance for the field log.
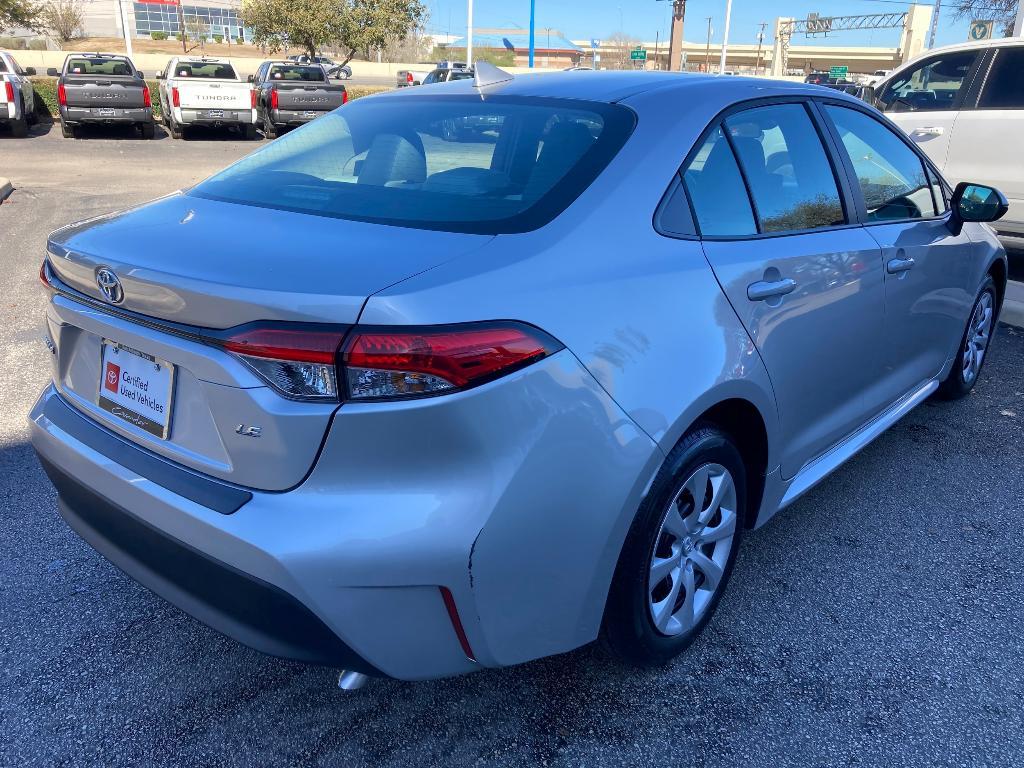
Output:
(174, 129)
(67, 131)
(19, 127)
(269, 129)
(249, 132)
(679, 552)
(973, 346)
(148, 130)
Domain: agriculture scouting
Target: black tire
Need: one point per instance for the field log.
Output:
(67, 131)
(173, 128)
(269, 129)
(249, 132)
(19, 127)
(148, 130)
(958, 384)
(628, 628)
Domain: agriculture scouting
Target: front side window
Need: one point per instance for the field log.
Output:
(785, 165)
(454, 163)
(715, 187)
(929, 87)
(891, 176)
(1004, 88)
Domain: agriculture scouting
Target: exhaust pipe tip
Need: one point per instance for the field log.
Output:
(351, 681)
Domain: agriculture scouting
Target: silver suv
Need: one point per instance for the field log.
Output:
(466, 376)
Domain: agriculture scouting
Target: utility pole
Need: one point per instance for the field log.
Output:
(935, 24)
(124, 28)
(657, 38)
(533, 20)
(725, 36)
(707, 51)
(675, 42)
(760, 40)
(469, 35)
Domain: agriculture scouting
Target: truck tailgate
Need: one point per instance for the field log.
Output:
(213, 95)
(321, 98)
(119, 92)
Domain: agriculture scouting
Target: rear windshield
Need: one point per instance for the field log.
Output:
(208, 70)
(297, 72)
(99, 66)
(455, 163)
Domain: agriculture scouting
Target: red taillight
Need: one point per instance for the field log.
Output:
(298, 343)
(252, 99)
(273, 98)
(44, 278)
(146, 100)
(175, 97)
(9, 90)
(411, 362)
(344, 95)
(408, 78)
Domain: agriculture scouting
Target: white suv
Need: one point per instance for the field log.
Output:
(964, 106)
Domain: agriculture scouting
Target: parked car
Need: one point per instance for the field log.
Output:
(208, 92)
(817, 78)
(418, 407)
(407, 77)
(447, 74)
(17, 97)
(104, 89)
(963, 105)
(876, 77)
(290, 94)
(334, 71)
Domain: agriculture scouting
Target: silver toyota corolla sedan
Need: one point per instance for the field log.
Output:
(474, 374)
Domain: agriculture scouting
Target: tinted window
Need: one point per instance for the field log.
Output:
(1004, 88)
(453, 163)
(297, 72)
(891, 176)
(929, 87)
(210, 70)
(96, 65)
(716, 190)
(785, 165)
(3, 66)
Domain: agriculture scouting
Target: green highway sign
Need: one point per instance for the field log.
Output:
(838, 71)
(638, 54)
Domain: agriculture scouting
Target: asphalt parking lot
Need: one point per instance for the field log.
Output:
(878, 621)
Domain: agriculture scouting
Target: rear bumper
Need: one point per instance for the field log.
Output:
(207, 117)
(83, 115)
(514, 496)
(294, 117)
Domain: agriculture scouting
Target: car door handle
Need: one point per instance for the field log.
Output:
(895, 266)
(770, 289)
(932, 130)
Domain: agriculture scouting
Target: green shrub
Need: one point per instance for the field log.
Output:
(37, 44)
(12, 43)
(218, 38)
(158, 35)
(240, 40)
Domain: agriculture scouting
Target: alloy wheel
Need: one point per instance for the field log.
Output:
(979, 332)
(692, 549)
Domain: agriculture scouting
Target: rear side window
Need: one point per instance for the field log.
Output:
(784, 162)
(930, 87)
(1004, 88)
(297, 72)
(3, 66)
(716, 190)
(455, 163)
(891, 176)
(99, 66)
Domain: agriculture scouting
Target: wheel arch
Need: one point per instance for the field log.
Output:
(997, 270)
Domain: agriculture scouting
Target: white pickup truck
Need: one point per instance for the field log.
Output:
(17, 99)
(205, 91)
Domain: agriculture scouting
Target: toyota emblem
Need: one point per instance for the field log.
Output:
(109, 285)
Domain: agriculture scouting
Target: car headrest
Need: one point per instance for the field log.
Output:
(393, 158)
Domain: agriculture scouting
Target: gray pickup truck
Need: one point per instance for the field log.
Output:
(289, 93)
(104, 89)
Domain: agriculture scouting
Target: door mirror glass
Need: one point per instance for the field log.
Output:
(52, 72)
(30, 71)
(140, 74)
(251, 79)
(976, 202)
(159, 75)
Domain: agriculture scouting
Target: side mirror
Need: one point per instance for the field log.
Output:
(140, 74)
(251, 79)
(52, 72)
(867, 93)
(975, 202)
(30, 71)
(159, 75)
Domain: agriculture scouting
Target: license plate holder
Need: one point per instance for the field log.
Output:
(105, 111)
(136, 387)
(309, 114)
(215, 113)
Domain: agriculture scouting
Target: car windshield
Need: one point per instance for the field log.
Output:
(297, 72)
(455, 163)
(97, 65)
(207, 69)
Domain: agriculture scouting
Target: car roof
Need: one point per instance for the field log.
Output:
(614, 86)
(970, 45)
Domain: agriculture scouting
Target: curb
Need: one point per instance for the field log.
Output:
(1013, 304)
(5, 188)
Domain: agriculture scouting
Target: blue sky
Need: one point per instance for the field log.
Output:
(586, 19)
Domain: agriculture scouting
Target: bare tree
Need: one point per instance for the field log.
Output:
(411, 47)
(1002, 12)
(615, 51)
(65, 19)
(196, 30)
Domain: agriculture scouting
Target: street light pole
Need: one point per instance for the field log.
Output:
(725, 36)
(1018, 25)
(533, 19)
(124, 28)
(707, 51)
(934, 25)
(469, 35)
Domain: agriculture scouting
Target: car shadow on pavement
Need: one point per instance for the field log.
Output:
(114, 133)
